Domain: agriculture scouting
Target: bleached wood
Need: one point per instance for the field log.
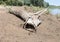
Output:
(29, 19)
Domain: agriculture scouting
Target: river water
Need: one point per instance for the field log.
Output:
(54, 11)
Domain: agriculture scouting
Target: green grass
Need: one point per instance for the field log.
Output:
(53, 7)
(36, 8)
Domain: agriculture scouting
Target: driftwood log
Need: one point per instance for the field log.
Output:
(31, 19)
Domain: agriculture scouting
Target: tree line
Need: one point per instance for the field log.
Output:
(40, 3)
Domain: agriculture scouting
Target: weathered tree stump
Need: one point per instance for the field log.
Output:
(31, 21)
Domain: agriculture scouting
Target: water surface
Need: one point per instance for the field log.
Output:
(54, 11)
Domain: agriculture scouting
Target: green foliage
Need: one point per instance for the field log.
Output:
(39, 3)
(27, 2)
(12, 2)
(1, 2)
(45, 4)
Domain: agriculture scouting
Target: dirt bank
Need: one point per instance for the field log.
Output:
(11, 29)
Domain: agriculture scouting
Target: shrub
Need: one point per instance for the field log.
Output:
(39, 3)
(27, 2)
(11, 2)
(14, 2)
